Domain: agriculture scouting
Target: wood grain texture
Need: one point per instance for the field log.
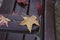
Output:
(16, 19)
(15, 36)
(49, 20)
(15, 31)
(2, 35)
(30, 37)
(7, 6)
(20, 36)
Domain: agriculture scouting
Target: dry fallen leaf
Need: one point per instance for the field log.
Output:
(40, 9)
(4, 21)
(22, 3)
(15, 13)
(29, 21)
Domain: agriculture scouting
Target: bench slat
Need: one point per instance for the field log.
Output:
(2, 35)
(49, 20)
(7, 6)
(30, 37)
(15, 36)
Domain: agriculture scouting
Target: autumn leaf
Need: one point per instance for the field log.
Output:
(29, 21)
(4, 21)
(22, 3)
(39, 7)
(15, 13)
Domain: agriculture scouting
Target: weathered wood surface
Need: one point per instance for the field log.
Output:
(15, 36)
(19, 36)
(7, 6)
(29, 37)
(3, 35)
(49, 20)
(14, 30)
(16, 19)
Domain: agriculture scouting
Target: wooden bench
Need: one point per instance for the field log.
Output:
(16, 32)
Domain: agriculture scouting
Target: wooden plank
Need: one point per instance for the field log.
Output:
(2, 35)
(30, 37)
(15, 36)
(20, 36)
(7, 6)
(49, 20)
(33, 8)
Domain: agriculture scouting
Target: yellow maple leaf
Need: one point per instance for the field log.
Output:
(29, 21)
(4, 21)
